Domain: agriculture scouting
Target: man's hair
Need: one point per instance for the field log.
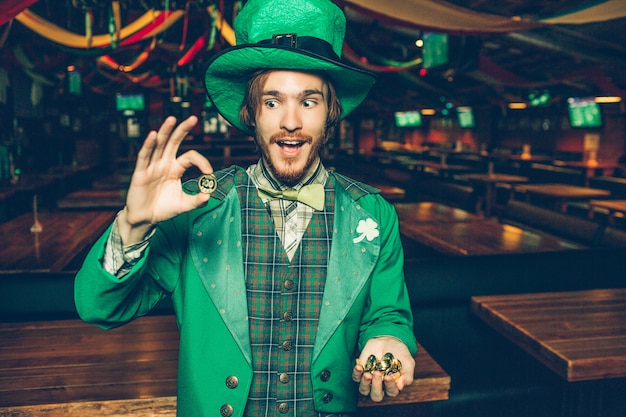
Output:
(254, 94)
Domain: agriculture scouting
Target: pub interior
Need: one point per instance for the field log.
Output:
(497, 129)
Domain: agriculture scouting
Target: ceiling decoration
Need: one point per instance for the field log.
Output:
(499, 50)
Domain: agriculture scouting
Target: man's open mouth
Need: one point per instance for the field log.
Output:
(290, 143)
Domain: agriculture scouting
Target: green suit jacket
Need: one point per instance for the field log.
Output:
(365, 296)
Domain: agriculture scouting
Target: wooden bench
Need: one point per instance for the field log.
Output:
(71, 368)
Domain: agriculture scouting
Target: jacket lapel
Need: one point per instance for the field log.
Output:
(353, 254)
(215, 247)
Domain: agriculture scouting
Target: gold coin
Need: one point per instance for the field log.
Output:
(207, 183)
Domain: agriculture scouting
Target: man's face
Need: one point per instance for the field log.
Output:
(291, 123)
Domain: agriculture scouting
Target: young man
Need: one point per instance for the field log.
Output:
(282, 274)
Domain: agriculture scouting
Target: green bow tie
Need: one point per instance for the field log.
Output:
(311, 195)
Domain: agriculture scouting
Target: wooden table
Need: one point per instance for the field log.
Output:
(432, 212)
(483, 237)
(580, 335)
(93, 199)
(442, 169)
(64, 236)
(488, 182)
(73, 369)
(613, 207)
(562, 193)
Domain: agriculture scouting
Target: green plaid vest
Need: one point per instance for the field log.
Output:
(284, 302)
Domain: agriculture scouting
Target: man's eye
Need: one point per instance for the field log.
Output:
(271, 104)
(309, 103)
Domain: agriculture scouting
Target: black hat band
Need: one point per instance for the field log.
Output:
(310, 44)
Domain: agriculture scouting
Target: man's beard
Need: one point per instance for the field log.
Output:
(290, 176)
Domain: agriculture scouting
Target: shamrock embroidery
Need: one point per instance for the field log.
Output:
(368, 229)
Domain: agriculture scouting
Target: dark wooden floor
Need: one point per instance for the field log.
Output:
(70, 368)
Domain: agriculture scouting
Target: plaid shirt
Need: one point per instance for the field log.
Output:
(279, 208)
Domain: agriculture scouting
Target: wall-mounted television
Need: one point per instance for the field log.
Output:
(126, 101)
(74, 82)
(435, 51)
(584, 112)
(465, 117)
(408, 118)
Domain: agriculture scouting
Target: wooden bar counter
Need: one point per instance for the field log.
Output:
(73, 369)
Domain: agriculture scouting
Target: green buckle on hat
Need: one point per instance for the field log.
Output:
(285, 39)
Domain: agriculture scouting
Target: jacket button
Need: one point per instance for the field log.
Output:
(288, 284)
(283, 408)
(284, 378)
(232, 382)
(226, 410)
(286, 345)
(325, 375)
(328, 397)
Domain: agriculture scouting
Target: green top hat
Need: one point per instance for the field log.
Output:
(305, 35)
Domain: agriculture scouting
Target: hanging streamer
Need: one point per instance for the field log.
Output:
(139, 60)
(211, 44)
(197, 46)
(161, 22)
(5, 33)
(117, 20)
(28, 67)
(185, 28)
(88, 26)
(225, 29)
(64, 37)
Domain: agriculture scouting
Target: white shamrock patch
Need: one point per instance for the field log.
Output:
(367, 229)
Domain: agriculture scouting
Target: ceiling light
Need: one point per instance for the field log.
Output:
(607, 99)
(517, 106)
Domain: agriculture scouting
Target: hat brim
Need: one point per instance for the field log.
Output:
(227, 74)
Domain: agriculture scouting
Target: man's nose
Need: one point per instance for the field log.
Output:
(291, 120)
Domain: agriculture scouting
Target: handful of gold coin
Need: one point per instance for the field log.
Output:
(388, 365)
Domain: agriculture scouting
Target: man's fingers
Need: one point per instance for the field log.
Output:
(365, 386)
(145, 152)
(195, 158)
(178, 135)
(163, 136)
(377, 394)
(391, 388)
(357, 373)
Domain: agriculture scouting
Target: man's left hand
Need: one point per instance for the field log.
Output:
(375, 384)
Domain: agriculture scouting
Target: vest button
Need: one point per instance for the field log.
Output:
(283, 408)
(288, 284)
(232, 382)
(328, 397)
(325, 375)
(288, 315)
(286, 345)
(284, 378)
(226, 410)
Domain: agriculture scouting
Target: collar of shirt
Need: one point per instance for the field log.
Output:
(290, 224)
(261, 175)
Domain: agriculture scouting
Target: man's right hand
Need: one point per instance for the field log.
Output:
(155, 193)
